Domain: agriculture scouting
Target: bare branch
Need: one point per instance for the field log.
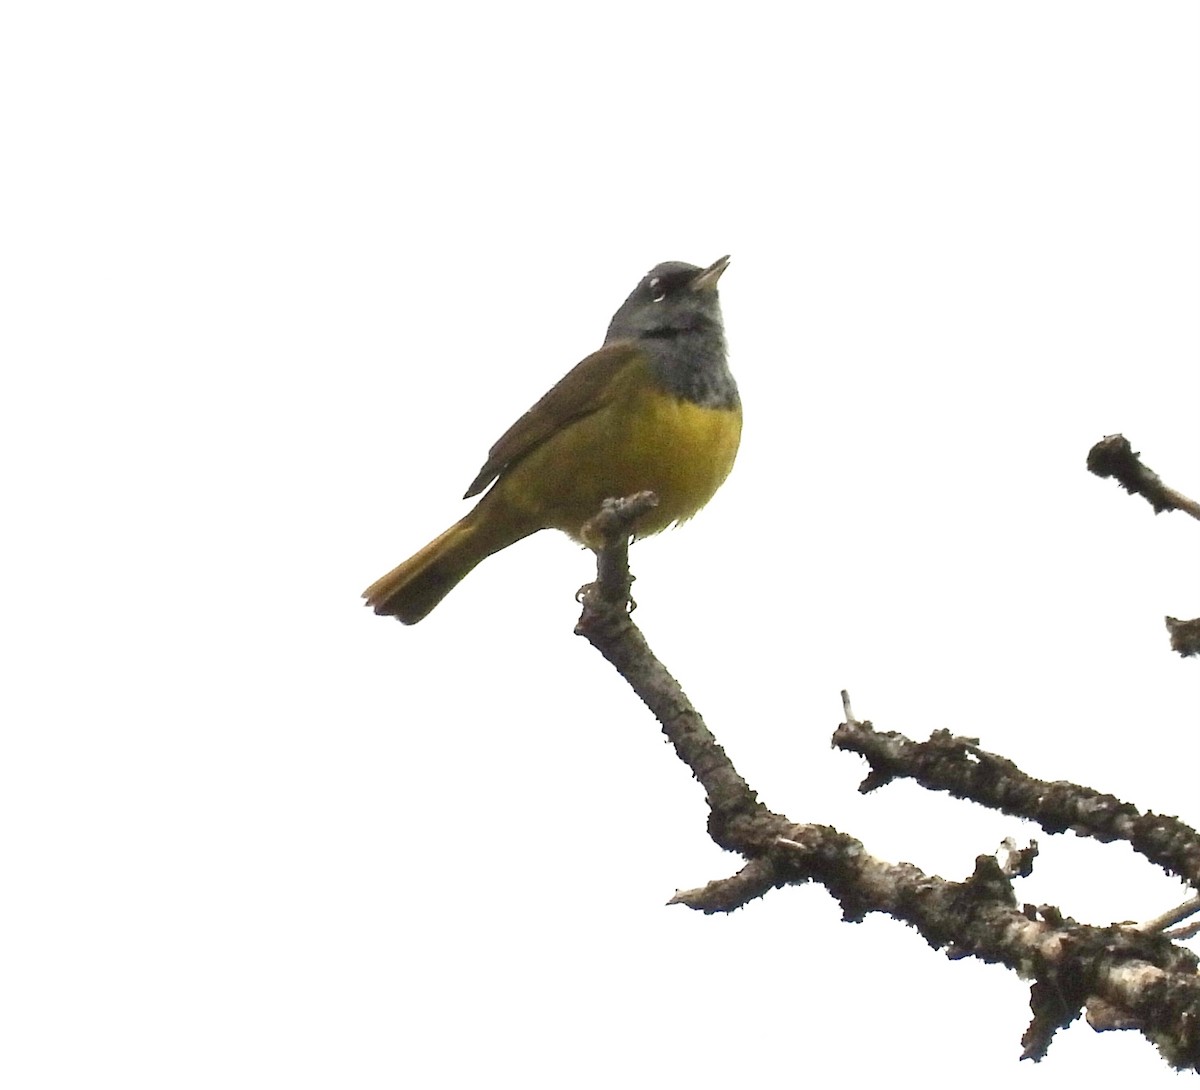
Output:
(608, 533)
(959, 767)
(755, 879)
(1114, 457)
(606, 624)
(1185, 636)
(1133, 978)
(1173, 916)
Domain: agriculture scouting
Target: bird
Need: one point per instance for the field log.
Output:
(656, 408)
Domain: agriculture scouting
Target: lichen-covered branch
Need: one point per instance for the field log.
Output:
(1124, 977)
(961, 768)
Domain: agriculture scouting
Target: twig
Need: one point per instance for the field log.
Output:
(1173, 916)
(608, 533)
(606, 624)
(1114, 457)
(959, 767)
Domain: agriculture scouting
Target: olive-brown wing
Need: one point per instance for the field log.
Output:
(588, 386)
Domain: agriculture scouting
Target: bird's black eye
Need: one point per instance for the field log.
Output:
(657, 292)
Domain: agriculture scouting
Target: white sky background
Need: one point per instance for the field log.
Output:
(275, 278)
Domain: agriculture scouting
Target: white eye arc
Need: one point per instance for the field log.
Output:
(653, 285)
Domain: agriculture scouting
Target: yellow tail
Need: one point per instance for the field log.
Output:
(410, 591)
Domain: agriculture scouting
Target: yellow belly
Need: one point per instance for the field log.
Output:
(643, 439)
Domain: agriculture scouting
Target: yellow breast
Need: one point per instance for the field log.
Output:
(642, 439)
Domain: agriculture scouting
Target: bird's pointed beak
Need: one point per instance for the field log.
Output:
(707, 280)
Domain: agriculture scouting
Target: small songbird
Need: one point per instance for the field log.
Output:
(656, 409)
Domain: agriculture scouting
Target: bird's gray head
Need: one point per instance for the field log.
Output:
(673, 298)
(675, 318)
